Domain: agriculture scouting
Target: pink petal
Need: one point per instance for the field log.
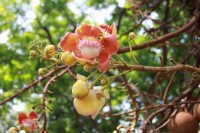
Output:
(86, 30)
(22, 116)
(33, 115)
(69, 43)
(103, 59)
(110, 44)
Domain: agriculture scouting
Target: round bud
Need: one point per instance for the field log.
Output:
(115, 131)
(68, 59)
(80, 89)
(131, 35)
(49, 51)
(12, 130)
(87, 67)
(104, 81)
(42, 71)
(32, 53)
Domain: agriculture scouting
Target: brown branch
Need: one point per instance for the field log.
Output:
(23, 90)
(178, 67)
(151, 107)
(165, 37)
(52, 80)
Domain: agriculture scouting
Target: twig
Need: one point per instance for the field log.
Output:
(23, 90)
(165, 37)
(150, 107)
(53, 79)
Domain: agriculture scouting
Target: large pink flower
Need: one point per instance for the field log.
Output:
(28, 121)
(90, 42)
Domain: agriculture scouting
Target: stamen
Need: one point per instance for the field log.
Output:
(89, 48)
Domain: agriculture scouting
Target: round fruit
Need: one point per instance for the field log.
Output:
(183, 122)
(196, 112)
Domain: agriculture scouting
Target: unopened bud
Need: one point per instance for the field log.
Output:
(80, 89)
(12, 130)
(32, 53)
(68, 59)
(131, 35)
(115, 131)
(49, 51)
(104, 81)
(42, 71)
(87, 67)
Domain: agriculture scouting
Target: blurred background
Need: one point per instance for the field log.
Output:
(24, 21)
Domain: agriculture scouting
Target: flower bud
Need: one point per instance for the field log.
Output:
(131, 35)
(32, 53)
(87, 67)
(49, 51)
(42, 71)
(12, 130)
(80, 89)
(104, 81)
(68, 59)
(115, 131)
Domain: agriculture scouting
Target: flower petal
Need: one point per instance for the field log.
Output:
(22, 116)
(83, 30)
(33, 115)
(103, 59)
(110, 29)
(86, 30)
(101, 104)
(69, 43)
(87, 106)
(110, 44)
(95, 32)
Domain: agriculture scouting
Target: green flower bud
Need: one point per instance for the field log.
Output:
(49, 51)
(131, 35)
(32, 53)
(42, 71)
(104, 81)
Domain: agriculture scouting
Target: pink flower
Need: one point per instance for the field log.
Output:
(28, 121)
(90, 42)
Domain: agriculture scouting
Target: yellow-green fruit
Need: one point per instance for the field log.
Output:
(68, 59)
(80, 89)
(90, 105)
(49, 51)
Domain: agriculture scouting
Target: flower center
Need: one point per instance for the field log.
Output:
(90, 48)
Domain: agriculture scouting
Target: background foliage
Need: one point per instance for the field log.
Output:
(24, 21)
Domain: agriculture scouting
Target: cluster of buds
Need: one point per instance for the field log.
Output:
(88, 100)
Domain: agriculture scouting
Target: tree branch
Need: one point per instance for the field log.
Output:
(165, 37)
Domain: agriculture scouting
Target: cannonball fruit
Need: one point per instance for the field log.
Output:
(183, 122)
(196, 112)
